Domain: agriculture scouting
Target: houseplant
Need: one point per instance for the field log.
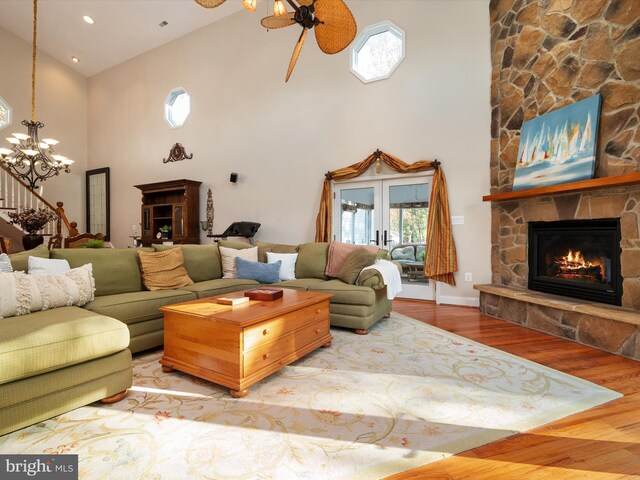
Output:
(164, 230)
(31, 221)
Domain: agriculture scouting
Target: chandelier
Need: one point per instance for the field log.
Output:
(31, 159)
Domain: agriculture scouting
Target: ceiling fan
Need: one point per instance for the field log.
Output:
(334, 24)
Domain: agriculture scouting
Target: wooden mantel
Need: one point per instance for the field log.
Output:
(593, 184)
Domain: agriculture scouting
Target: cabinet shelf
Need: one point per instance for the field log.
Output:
(582, 186)
(173, 203)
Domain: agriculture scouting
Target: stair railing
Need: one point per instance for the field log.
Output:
(15, 194)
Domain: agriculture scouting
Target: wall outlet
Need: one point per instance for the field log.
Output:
(468, 277)
(457, 220)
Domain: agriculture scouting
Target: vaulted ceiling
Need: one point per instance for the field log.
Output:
(122, 30)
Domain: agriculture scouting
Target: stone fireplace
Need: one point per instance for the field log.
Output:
(548, 54)
(576, 258)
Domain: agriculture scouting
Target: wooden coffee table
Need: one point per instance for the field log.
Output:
(237, 346)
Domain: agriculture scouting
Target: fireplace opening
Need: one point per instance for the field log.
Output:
(577, 258)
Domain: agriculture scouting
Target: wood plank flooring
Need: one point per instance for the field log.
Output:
(600, 443)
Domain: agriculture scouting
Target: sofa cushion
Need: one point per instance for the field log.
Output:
(164, 270)
(312, 260)
(264, 248)
(300, 283)
(234, 244)
(201, 261)
(220, 286)
(404, 253)
(343, 293)
(116, 270)
(20, 261)
(136, 307)
(46, 341)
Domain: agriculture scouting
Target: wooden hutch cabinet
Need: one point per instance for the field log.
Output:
(175, 204)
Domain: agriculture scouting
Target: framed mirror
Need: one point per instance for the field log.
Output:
(98, 211)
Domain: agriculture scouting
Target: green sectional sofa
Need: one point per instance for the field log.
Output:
(38, 381)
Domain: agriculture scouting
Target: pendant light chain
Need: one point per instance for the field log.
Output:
(33, 63)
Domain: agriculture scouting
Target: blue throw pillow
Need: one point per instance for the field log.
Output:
(261, 272)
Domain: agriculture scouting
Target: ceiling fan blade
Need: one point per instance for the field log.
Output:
(210, 3)
(278, 21)
(337, 28)
(306, 3)
(296, 53)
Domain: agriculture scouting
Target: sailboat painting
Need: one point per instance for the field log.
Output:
(559, 146)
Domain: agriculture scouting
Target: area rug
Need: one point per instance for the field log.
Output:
(369, 406)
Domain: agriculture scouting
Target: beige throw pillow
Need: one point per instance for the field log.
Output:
(229, 256)
(22, 294)
(164, 270)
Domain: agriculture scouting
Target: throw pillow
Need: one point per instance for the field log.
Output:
(5, 263)
(288, 260)
(46, 266)
(164, 270)
(22, 294)
(229, 256)
(353, 265)
(260, 272)
(338, 253)
(312, 260)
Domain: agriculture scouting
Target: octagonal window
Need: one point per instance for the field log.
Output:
(5, 114)
(377, 52)
(177, 107)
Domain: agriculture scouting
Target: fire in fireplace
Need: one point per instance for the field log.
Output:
(578, 258)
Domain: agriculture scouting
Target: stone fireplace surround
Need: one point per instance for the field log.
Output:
(614, 329)
(547, 54)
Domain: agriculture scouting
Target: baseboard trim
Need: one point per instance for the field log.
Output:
(464, 301)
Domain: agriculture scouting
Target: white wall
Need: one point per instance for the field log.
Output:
(61, 104)
(282, 138)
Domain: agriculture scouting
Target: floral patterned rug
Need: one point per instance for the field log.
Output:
(369, 406)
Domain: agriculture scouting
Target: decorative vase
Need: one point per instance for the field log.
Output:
(32, 240)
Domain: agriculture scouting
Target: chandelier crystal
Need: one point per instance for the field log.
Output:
(29, 158)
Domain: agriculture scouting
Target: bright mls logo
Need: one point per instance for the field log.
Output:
(51, 467)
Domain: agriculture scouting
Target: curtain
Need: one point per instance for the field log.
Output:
(440, 260)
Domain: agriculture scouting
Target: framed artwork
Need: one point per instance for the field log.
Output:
(559, 146)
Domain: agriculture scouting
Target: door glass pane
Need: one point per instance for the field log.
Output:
(408, 212)
(357, 215)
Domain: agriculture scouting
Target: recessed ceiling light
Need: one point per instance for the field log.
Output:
(75, 59)
(88, 19)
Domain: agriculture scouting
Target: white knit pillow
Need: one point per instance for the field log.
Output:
(22, 294)
(229, 255)
(5, 263)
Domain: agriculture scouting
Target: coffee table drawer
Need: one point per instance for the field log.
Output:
(270, 330)
(265, 355)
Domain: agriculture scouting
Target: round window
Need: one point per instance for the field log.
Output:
(177, 107)
(377, 52)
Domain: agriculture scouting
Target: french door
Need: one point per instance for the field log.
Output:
(392, 214)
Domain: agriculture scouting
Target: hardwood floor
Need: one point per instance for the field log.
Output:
(600, 443)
